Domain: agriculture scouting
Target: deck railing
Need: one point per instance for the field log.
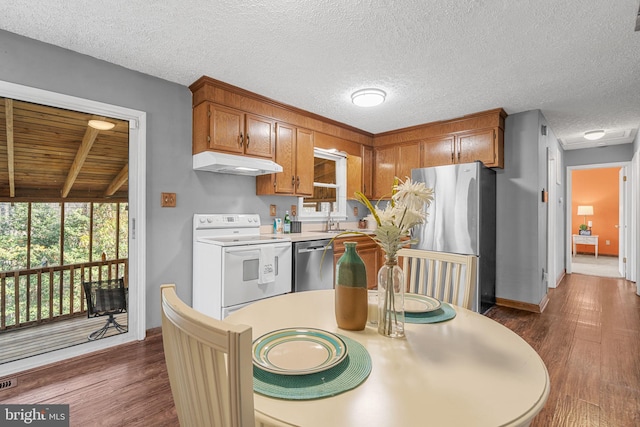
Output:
(44, 294)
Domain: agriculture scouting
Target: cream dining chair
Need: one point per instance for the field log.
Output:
(445, 276)
(209, 365)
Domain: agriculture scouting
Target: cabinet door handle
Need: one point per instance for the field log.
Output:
(248, 140)
(293, 181)
(241, 139)
(297, 182)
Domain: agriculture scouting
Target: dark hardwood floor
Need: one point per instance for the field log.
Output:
(588, 336)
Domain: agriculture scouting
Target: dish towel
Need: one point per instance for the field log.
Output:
(267, 261)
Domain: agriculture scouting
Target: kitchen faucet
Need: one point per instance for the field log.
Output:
(329, 222)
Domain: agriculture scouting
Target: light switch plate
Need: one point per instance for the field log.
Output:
(355, 211)
(272, 210)
(294, 210)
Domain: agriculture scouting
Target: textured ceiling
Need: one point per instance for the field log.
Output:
(576, 60)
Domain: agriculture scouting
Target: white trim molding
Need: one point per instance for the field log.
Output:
(137, 214)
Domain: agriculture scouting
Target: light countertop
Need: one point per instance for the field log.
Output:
(315, 232)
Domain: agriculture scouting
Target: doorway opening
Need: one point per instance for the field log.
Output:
(597, 221)
(96, 179)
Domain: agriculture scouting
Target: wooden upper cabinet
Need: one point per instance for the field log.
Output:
(354, 176)
(485, 145)
(304, 162)
(294, 152)
(384, 171)
(259, 136)
(470, 138)
(367, 171)
(391, 162)
(220, 128)
(285, 181)
(478, 145)
(408, 158)
(438, 151)
(226, 129)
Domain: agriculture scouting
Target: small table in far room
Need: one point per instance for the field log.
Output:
(585, 240)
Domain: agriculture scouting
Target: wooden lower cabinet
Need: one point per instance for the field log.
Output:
(368, 250)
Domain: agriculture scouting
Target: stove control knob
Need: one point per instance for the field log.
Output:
(209, 220)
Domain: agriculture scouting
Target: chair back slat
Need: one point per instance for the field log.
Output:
(209, 366)
(445, 276)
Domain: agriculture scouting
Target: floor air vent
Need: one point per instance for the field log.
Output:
(6, 383)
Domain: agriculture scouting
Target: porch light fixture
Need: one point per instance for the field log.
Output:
(592, 135)
(101, 125)
(368, 97)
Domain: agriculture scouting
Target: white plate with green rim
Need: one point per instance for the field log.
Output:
(416, 303)
(298, 351)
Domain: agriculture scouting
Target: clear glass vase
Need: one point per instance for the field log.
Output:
(391, 299)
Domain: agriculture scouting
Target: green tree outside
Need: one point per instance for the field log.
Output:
(46, 231)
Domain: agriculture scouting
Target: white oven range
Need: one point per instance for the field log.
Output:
(233, 265)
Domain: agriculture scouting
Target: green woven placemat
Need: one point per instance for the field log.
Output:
(445, 312)
(348, 374)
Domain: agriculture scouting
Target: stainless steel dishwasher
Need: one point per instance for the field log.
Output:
(310, 270)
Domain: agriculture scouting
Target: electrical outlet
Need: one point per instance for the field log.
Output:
(355, 211)
(272, 210)
(607, 242)
(168, 200)
(294, 210)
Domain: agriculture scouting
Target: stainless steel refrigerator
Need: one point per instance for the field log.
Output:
(462, 219)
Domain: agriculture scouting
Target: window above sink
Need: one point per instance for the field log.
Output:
(329, 187)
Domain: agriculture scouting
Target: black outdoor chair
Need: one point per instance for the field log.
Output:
(106, 298)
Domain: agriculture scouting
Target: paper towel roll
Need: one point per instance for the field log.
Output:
(371, 222)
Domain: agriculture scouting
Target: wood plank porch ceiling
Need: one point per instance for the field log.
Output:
(50, 154)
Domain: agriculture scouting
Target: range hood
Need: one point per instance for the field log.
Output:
(214, 161)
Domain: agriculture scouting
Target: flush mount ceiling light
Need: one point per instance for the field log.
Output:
(101, 124)
(368, 97)
(592, 135)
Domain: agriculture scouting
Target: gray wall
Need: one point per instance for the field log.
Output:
(521, 215)
(168, 107)
(600, 155)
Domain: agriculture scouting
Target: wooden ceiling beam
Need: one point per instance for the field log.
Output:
(117, 182)
(8, 115)
(81, 155)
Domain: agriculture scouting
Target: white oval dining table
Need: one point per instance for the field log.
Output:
(467, 371)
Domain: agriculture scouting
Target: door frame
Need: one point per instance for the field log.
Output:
(568, 211)
(552, 237)
(137, 214)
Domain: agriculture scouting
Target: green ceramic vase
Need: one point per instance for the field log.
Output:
(351, 290)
